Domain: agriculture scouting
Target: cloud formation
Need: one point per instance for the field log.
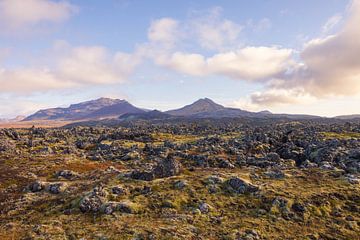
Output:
(330, 65)
(327, 67)
(72, 67)
(212, 32)
(249, 64)
(18, 14)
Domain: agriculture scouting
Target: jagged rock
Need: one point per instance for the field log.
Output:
(118, 190)
(240, 186)
(91, 203)
(275, 174)
(224, 163)
(109, 207)
(125, 207)
(37, 186)
(167, 168)
(204, 207)
(131, 156)
(180, 184)
(67, 174)
(298, 207)
(145, 175)
(56, 188)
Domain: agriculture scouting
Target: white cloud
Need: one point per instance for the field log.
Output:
(213, 32)
(331, 23)
(249, 64)
(72, 67)
(164, 31)
(327, 67)
(259, 26)
(19, 14)
(274, 97)
(331, 65)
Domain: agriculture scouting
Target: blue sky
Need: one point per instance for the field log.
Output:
(162, 54)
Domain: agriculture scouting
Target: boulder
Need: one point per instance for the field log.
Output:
(167, 168)
(37, 186)
(240, 186)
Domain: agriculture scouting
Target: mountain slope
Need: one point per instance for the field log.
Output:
(94, 109)
(200, 106)
(151, 115)
(206, 108)
(348, 117)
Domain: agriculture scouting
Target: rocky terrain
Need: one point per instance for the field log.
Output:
(201, 179)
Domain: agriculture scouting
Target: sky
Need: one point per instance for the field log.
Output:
(278, 55)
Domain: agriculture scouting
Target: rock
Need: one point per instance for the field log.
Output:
(275, 174)
(308, 164)
(180, 184)
(298, 207)
(249, 234)
(112, 169)
(204, 207)
(240, 186)
(167, 168)
(56, 188)
(93, 201)
(67, 174)
(118, 190)
(131, 156)
(145, 175)
(224, 163)
(326, 166)
(125, 207)
(352, 179)
(109, 207)
(212, 180)
(37, 186)
(273, 156)
(90, 203)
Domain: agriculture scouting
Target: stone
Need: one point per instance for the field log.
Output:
(37, 186)
(204, 207)
(90, 203)
(56, 188)
(240, 186)
(167, 168)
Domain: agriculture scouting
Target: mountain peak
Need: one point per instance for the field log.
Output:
(199, 106)
(94, 109)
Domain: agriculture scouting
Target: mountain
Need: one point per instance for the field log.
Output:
(348, 117)
(151, 115)
(95, 109)
(200, 106)
(16, 119)
(206, 108)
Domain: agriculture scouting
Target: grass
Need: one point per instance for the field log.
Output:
(343, 135)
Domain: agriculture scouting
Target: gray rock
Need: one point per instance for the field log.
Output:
(91, 203)
(240, 186)
(167, 168)
(204, 207)
(67, 174)
(37, 186)
(56, 188)
(118, 190)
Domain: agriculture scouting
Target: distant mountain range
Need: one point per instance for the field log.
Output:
(102, 108)
(16, 119)
(348, 117)
(206, 108)
(107, 108)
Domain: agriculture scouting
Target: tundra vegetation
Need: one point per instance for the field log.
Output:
(200, 179)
